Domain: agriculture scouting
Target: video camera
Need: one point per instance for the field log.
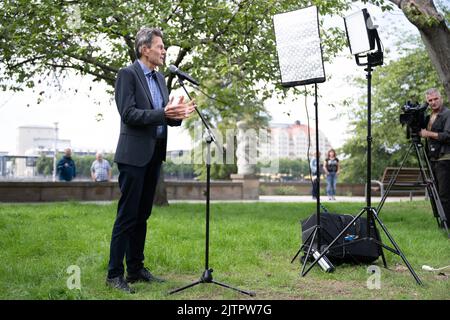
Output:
(414, 117)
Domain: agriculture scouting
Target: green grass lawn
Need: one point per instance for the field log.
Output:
(251, 247)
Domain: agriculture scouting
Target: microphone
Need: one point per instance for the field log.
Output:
(182, 75)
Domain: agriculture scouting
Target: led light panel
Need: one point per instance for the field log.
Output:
(299, 47)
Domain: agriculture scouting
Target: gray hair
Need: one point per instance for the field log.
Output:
(432, 91)
(145, 37)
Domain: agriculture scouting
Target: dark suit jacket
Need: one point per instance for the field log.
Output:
(139, 118)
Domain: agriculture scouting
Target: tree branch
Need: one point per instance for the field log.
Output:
(25, 62)
(434, 33)
(128, 40)
(398, 3)
(92, 60)
(240, 6)
(183, 52)
(173, 12)
(108, 79)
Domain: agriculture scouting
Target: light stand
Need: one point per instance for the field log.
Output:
(313, 241)
(373, 59)
(207, 277)
(300, 61)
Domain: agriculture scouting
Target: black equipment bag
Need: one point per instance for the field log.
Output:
(355, 245)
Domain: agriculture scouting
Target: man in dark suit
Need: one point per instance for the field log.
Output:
(145, 110)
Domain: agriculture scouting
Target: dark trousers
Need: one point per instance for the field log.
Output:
(315, 188)
(138, 185)
(441, 171)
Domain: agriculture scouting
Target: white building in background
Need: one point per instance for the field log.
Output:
(291, 141)
(34, 140)
(31, 142)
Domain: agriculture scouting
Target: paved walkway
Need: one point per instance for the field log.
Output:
(323, 199)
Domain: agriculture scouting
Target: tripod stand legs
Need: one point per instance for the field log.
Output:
(185, 287)
(311, 241)
(399, 252)
(249, 293)
(371, 212)
(308, 254)
(428, 180)
(207, 278)
(313, 235)
(383, 258)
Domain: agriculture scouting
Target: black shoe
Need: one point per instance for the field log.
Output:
(119, 283)
(143, 275)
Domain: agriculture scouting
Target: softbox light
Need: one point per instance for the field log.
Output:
(363, 39)
(298, 47)
(358, 34)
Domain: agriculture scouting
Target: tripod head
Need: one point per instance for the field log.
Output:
(413, 135)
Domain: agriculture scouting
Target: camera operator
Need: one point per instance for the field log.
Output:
(437, 133)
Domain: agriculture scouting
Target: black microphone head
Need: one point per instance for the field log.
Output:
(173, 69)
(181, 75)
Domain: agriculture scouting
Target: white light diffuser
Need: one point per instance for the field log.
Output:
(298, 47)
(357, 32)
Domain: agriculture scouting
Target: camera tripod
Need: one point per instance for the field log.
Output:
(428, 180)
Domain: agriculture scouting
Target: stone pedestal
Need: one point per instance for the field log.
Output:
(246, 149)
(250, 185)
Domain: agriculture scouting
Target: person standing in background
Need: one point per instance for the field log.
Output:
(100, 169)
(331, 169)
(66, 166)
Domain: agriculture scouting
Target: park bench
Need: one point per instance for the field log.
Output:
(409, 181)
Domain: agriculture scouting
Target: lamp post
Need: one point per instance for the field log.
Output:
(55, 144)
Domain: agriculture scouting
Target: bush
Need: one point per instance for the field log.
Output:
(262, 190)
(286, 191)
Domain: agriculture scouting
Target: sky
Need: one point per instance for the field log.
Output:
(78, 117)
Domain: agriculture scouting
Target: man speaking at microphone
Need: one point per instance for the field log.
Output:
(145, 111)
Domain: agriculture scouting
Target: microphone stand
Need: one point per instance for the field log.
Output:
(207, 273)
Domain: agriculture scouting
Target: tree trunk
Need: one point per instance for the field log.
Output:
(161, 193)
(434, 32)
